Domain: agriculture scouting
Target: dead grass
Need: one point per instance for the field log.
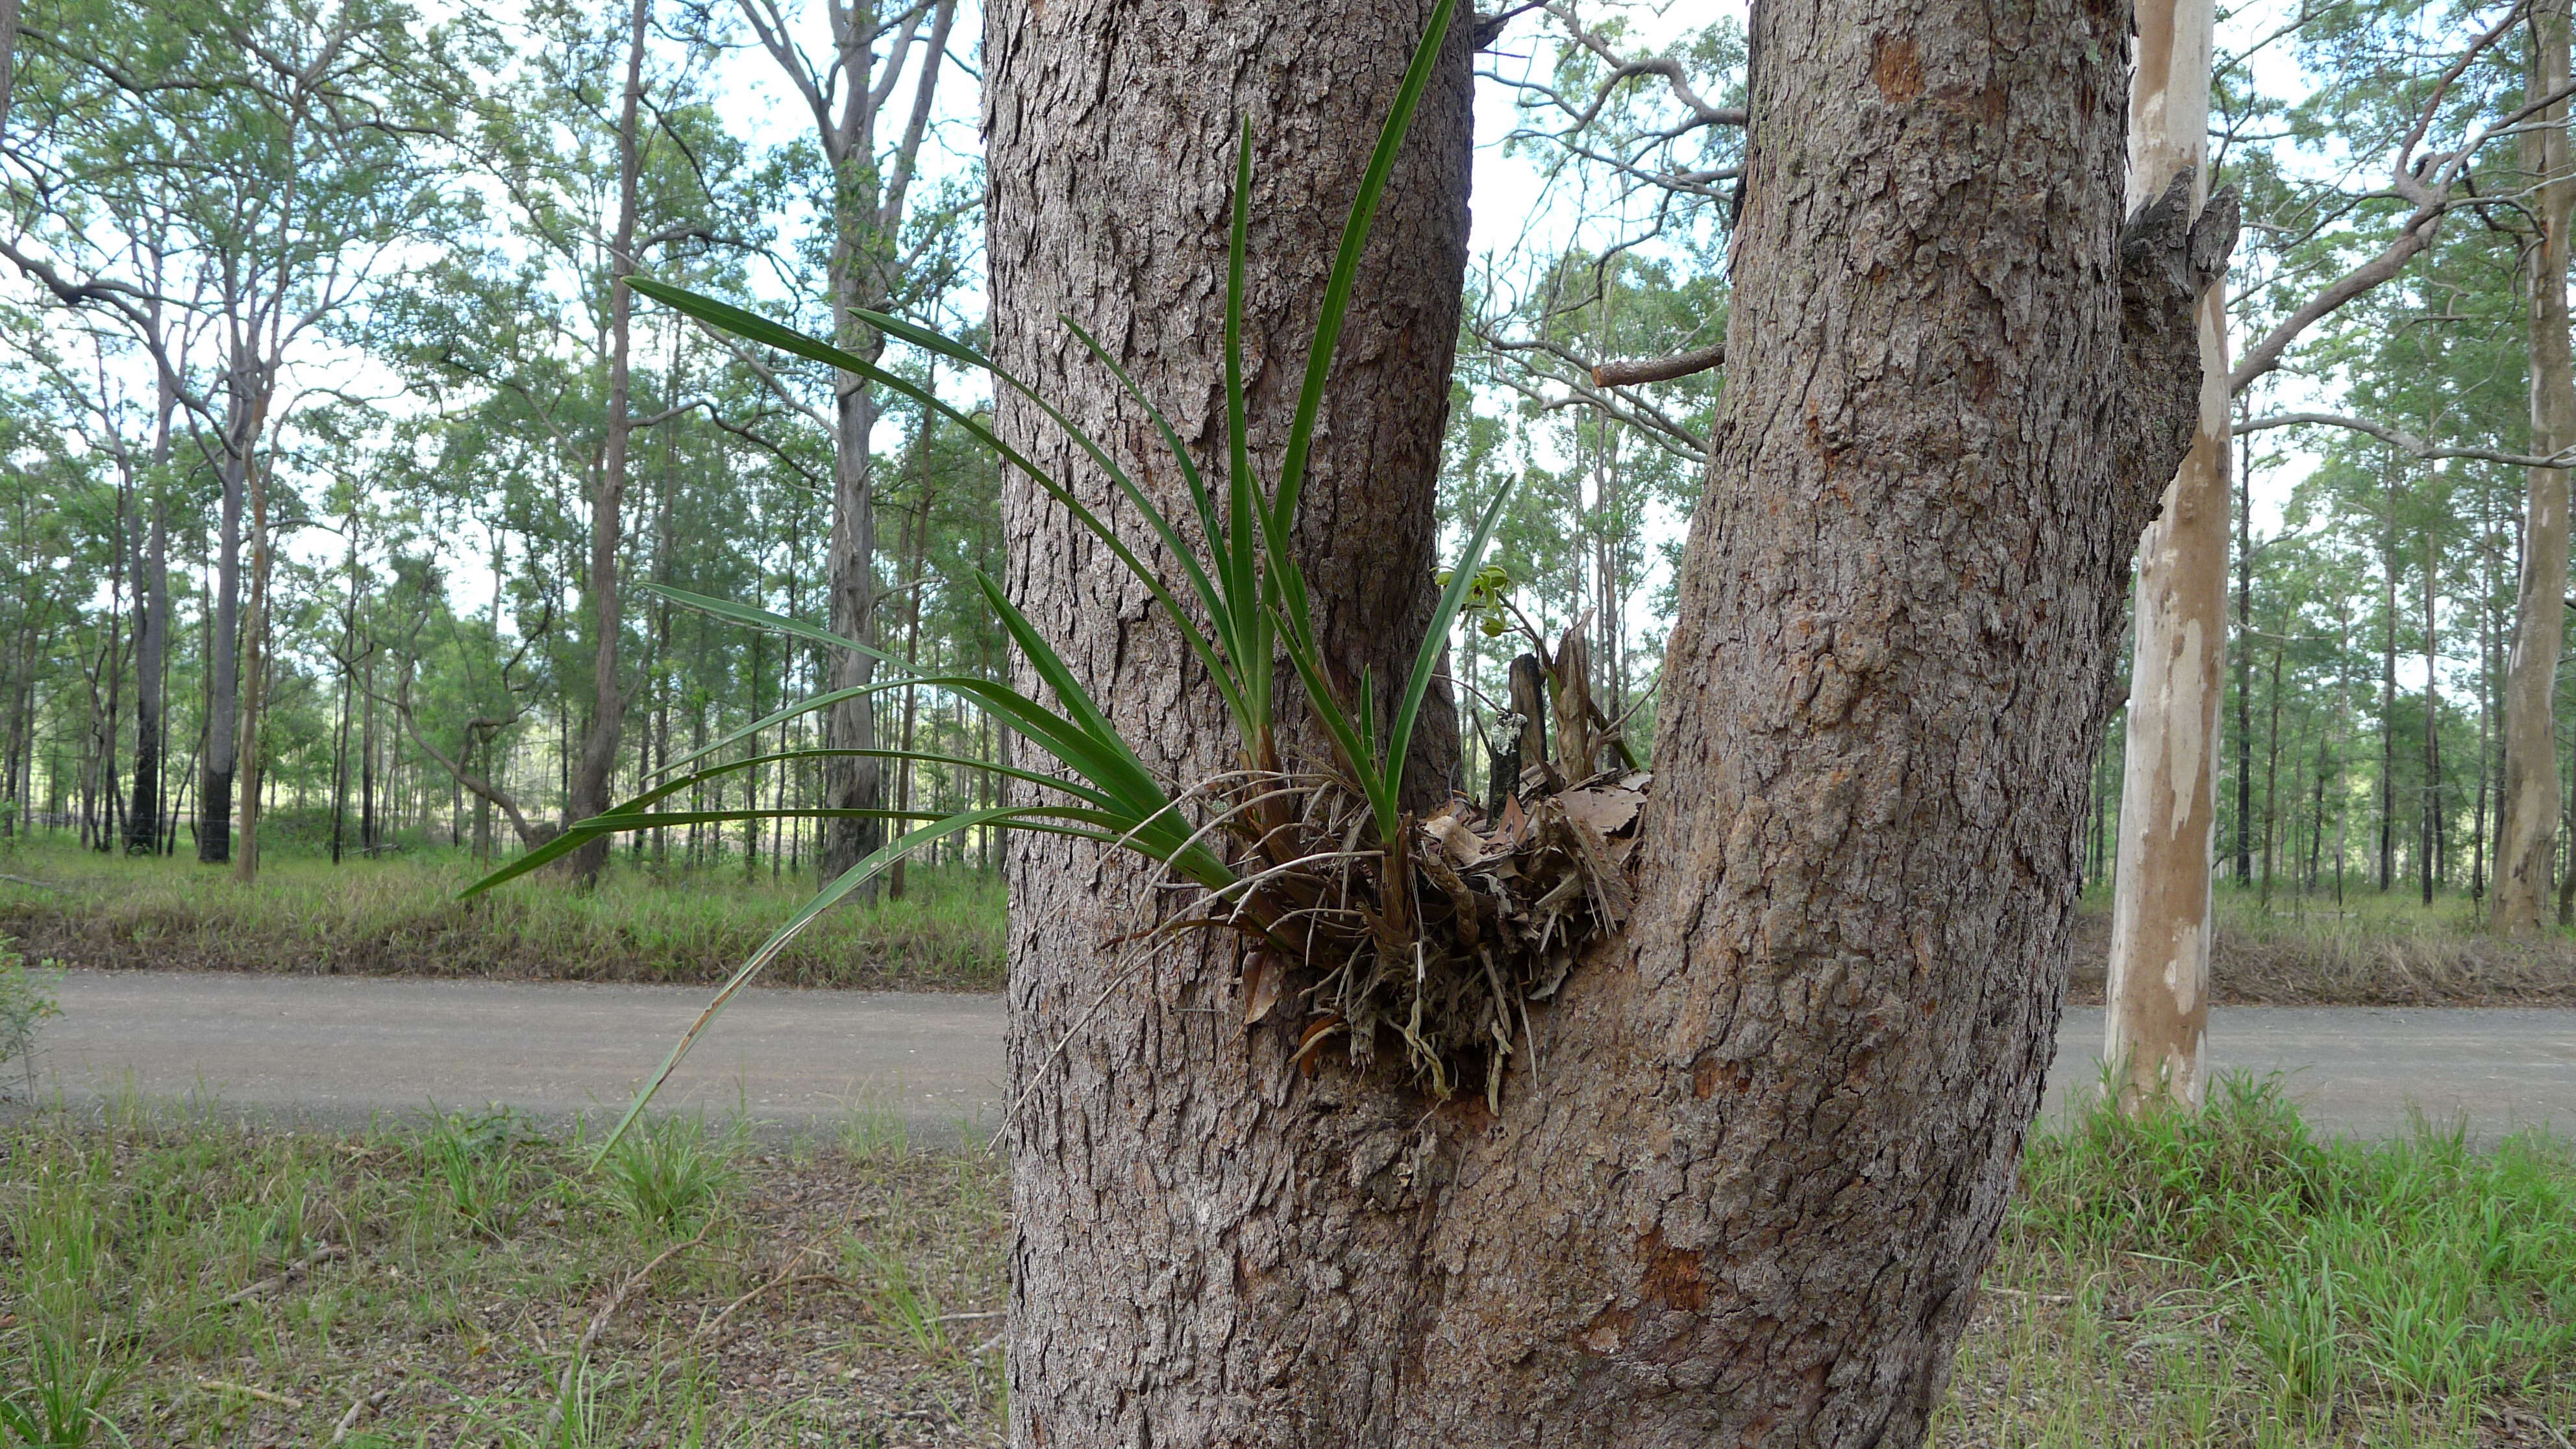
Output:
(401, 917)
(2373, 950)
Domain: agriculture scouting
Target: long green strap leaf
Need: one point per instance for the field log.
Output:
(759, 618)
(848, 881)
(1426, 660)
(1247, 513)
(1337, 300)
(752, 326)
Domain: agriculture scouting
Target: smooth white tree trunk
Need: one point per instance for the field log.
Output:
(2527, 836)
(2161, 913)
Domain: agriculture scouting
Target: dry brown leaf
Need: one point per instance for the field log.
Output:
(1261, 986)
(1607, 810)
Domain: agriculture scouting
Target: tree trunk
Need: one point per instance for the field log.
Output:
(2527, 834)
(1745, 1193)
(2432, 866)
(868, 212)
(2388, 687)
(916, 542)
(2161, 911)
(2244, 496)
(215, 783)
(589, 793)
(255, 667)
(8, 55)
(143, 820)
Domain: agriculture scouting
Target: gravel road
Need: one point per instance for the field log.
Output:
(340, 1049)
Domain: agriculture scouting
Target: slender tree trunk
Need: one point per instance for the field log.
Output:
(2432, 863)
(2244, 492)
(143, 820)
(222, 754)
(1745, 1196)
(916, 543)
(254, 669)
(2161, 911)
(2388, 689)
(8, 55)
(2271, 770)
(589, 794)
(2527, 835)
(868, 212)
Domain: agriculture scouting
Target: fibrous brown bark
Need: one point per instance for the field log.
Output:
(2527, 832)
(1748, 1164)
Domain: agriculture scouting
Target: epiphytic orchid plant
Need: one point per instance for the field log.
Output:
(1290, 825)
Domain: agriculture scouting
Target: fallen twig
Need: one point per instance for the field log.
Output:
(283, 1277)
(599, 1324)
(781, 1281)
(363, 1404)
(226, 1386)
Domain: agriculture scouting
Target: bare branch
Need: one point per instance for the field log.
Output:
(2404, 441)
(1632, 373)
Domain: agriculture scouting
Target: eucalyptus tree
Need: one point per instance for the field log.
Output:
(532, 331)
(284, 140)
(2528, 830)
(852, 92)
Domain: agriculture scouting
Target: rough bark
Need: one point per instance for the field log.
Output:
(2527, 833)
(1743, 1188)
(591, 775)
(1184, 1203)
(2161, 921)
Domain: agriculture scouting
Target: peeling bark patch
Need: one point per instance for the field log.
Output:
(1897, 68)
(1672, 1274)
(1601, 1337)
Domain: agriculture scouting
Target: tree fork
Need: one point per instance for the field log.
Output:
(1744, 1194)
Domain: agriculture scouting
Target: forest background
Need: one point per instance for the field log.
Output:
(332, 456)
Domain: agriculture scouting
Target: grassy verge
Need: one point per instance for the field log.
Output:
(2219, 1281)
(402, 916)
(462, 1281)
(2226, 1279)
(2372, 950)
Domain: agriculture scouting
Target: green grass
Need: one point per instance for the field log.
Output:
(402, 916)
(2225, 1278)
(179, 1279)
(168, 1278)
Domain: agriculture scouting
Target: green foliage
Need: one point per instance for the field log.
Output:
(26, 1000)
(1246, 585)
(667, 1175)
(472, 1155)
